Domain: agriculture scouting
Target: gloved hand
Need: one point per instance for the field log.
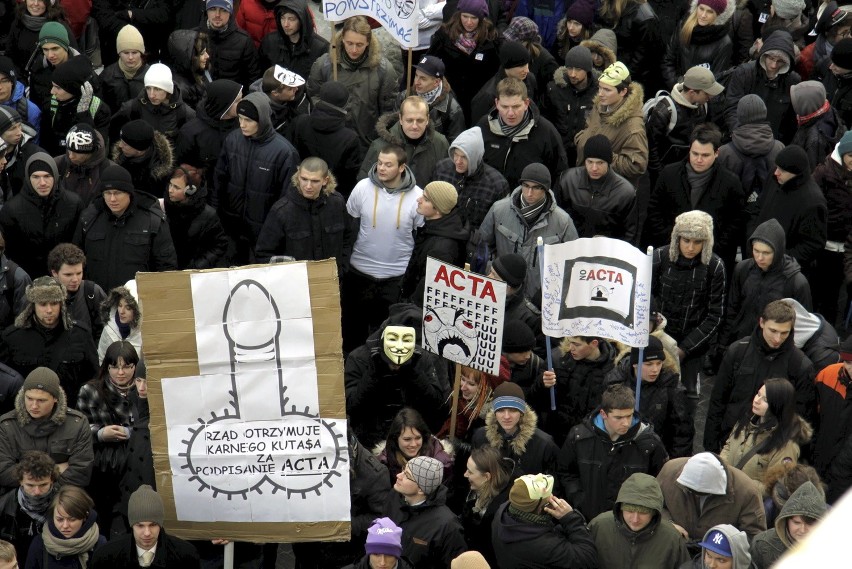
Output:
(85, 101)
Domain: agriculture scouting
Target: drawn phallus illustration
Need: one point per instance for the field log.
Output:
(450, 334)
(256, 367)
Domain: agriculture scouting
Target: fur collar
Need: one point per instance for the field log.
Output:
(374, 58)
(163, 162)
(389, 129)
(630, 107)
(528, 424)
(59, 413)
(596, 47)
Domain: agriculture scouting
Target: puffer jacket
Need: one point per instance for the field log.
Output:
(372, 87)
(276, 47)
(624, 126)
(505, 230)
(116, 89)
(33, 225)
(151, 171)
(83, 180)
(258, 18)
(768, 546)
(232, 54)
(592, 466)
(658, 544)
(422, 157)
(819, 135)
(190, 81)
(568, 108)
(606, 208)
(710, 46)
(166, 118)
(532, 450)
(252, 173)
(200, 241)
(444, 239)
(65, 436)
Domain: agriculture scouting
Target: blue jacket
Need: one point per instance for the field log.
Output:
(33, 114)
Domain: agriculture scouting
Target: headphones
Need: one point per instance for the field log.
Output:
(190, 188)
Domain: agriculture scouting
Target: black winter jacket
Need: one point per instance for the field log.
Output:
(483, 101)
(477, 525)
(200, 140)
(444, 239)
(668, 146)
(592, 467)
(16, 526)
(606, 207)
(532, 450)
(710, 47)
(445, 114)
(200, 241)
(842, 99)
(58, 118)
(150, 17)
(166, 118)
(639, 43)
(277, 49)
(232, 54)
(191, 81)
(13, 286)
(117, 90)
(568, 108)
(120, 553)
(117, 247)
(836, 183)
(152, 171)
(83, 180)
(819, 135)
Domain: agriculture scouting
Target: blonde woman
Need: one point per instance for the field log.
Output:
(703, 39)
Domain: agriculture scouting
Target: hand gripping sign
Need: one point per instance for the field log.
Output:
(248, 438)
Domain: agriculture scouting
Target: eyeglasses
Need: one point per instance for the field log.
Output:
(125, 367)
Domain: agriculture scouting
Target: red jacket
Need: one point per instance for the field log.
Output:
(256, 19)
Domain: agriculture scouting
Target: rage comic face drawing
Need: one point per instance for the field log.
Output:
(450, 334)
(404, 8)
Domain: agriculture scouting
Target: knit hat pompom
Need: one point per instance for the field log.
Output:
(694, 224)
(443, 196)
(530, 492)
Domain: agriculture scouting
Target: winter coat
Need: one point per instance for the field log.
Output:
(532, 449)
(13, 284)
(753, 435)
(33, 225)
(191, 81)
(692, 296)
(277, 49)
(592, 466)
(606, 52)
(746, 365)
(741, 504)
(752, 288)
(467, 73)
(478, 188)
(819, 135)
(662, 404)
(560, 544)
(738, 542)
(710, 46)
(624, 126)
(372, 87)
(58, 118)
(838, 473)
(750, 156)
(166, 118)
(657, 545)
(65, 436)
(29, 112)
(38, 557)
(116, 89)
(445, 114)
(283, 114)
(477, 525)
(800, 207)
(441, 451)
(815, 336)
(251, 174)
(639, 44)
(307, 230)
(19, 528)
(111, 333)
(12, 176)
(568, 108)
(200, 140)
(834, 424)
(120, 553)
(606, 207)
(431, 533)
(722, 198)
(257, 18)
(670, 145)
(149, 17)
(84, 180)
(444, 239)
(768, 546)
(22, 41)
(152, 171)
(200, 241)
(422, 157)
(539, 142)
(505, 230)
(842, 99)
(835, 181)
(751, 78)
(39, 74)
(117, 247)
(232, 54)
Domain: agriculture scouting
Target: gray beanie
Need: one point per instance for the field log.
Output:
(537, 173)
(428, 473)
(45, 379)
(807, 97)
(606, 38)
(788, 9)
(145, 505)
(751, 109)
(579, 57)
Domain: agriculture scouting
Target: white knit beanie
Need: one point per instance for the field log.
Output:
(160, 75)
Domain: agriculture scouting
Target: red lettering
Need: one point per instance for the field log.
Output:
(488, 290)
(476, 281)
(453, 276)
(441, 275)
(618, 279)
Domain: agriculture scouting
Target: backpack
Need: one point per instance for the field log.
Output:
(651, 104)
(755, 172)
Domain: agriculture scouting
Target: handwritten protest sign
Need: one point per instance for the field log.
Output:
(398, 17)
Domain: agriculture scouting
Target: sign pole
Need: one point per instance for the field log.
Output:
(333, 53)
(229, 555)
(650, 252)
(455, 404)
(540, 247)
(409, 79)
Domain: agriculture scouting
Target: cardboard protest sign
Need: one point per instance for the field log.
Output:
(597, 287)
(398, 17)
(248, 421)
(463, 316)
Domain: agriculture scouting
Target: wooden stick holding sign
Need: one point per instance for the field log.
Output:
(540, 247)
(455, 405)
(409, 79)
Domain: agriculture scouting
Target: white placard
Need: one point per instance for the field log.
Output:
(398, 17)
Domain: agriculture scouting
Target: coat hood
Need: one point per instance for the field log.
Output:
(407, 183)
(306, 23)
(51, 163)
(470, 142)
(642, 490)
(779, 40)
(163, 163)
(605, 40)
(220, 95)
(264, 112)
(754, 140)
(518, 443)
(738, 541)
(771, 233)
(807, 324)
(128, 294)
(182, 48)
(630, 107)
(807, 501)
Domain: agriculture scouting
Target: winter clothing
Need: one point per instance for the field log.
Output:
(483, 101)
(568, 107)
(815, 336)
(725, 540)
(148, 17)
(121, 553)
(199, 239)
(669, 143)
(112, 332)
(191, 81)
(277, 49)
(768, 546)
(442, 451)
(151, 171)
(532, 449)
(444, 239)
(83, 180)
(166, 118)
(598, 207)
(258, 19)
(639, 41)
(750, 155)
(31, 113)
(445, 114)
(477, 524)
(710, 46)
(232, 54)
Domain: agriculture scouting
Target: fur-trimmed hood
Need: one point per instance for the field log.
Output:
(127, 293)
(596, 46)
(694, 224)
(721, 19)
(389, 129)
(630, 107)
(60, 412)
(374, 57)
(163, 164)
(526, 431)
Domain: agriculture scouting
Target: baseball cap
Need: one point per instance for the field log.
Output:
(431, 65)
(701, 79)
(717, 542)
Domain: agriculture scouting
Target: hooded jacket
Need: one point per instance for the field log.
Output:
(422, 156)
(478, 188)
(656, 545)
(533, 450)
(505, 230)
(252, 174)
(710, 46)
(167, 118)
(751, 77)
(740, 505)
(752, 288)
(232, 54)
(815, 336)
(738, 541)
(568, 108)
(750, 156)
(65, 436)
(668, 145)
(592, 466)
(190, 81)
(151, 171)
(31, 113)
(834, 393)
(33, 225)
(200, 241)
(770, 545)
(603, 43)
(624, 126)
(276, 47)
(59, 116)
(372, 86)
(109, 309)
(116, 89)
(83, 180)
(834, 180)
(444, 239)
(606, 207)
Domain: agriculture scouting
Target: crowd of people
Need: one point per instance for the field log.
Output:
(154, 136)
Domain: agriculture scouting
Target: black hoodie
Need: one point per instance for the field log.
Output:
(444, 239)
(276, 47)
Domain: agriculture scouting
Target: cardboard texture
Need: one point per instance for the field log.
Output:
(168, 332)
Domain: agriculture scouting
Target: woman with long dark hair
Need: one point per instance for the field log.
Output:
(771, 433)
(489, 475)
(409, 436)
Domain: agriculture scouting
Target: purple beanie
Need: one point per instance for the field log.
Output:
(478, 8)
(384, 537)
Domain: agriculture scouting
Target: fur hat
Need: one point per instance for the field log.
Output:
(45, 379)
(43, 289)
(693, 224)
(145, 505)
(160, 76)
(427, 472)
(129, 39)
(530, 492)
(443, 196)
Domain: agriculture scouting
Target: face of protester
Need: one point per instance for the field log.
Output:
(424, 83)
(146, 534)
(290, 24)
(69, 275)
(519, 73)
(426, 208)
(581, 350)
(574, 28)
(156, 95)
(42, 183)
(775, 333)
(203, 60)
(617, 422)
(177, 189)
(410, 442)
(508, 419)
(248, 126)
(713, 560)
(60, 93)
(125, 313)
(702, 156)
(706, 15)
(577, 76)
(512, 109)
(636, 521)
(414, 120)
(475, 477)
(405, 483)
(609, 95)
(67, 525)
(355, 44)
(650, 370)
(6, 86)
(388, 168)
(469, 387)
(117, 201)
(596, 168)
(690, 248)
(311, 183)
(760, 405)
(382, 561)
(460, 161)
(54, 53)
(218, 18)
(39, 403)
(469, 22)
(121, 372)
(131, 58)
(47, 314)
(799, 527)
(36, 8)
(532, 191)
(12, 135)
(773, 65)
(35, 487)
(518, 358)
(783, 176)
(763, 255)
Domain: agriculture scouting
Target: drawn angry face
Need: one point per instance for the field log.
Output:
(450, 334)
